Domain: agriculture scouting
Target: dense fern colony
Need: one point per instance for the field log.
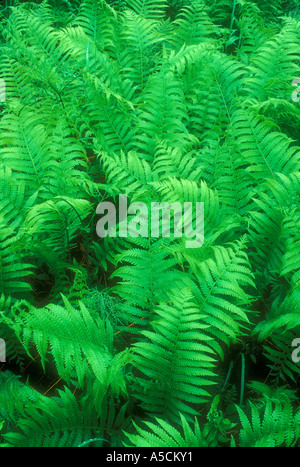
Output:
(139, 341)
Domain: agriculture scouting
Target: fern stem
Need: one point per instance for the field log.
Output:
(232, 16)
(228, 376)
(91, 441)
(242, 379)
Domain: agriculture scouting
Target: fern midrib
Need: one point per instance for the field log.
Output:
(31, 158)
(258, 147)
(218, 279)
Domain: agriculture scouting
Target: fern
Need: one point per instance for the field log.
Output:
(271, 425)
(54, 423)
(142, 284)
(193, 25)
(139, 340)
(87, 339)
(150, 9)
(163, 434)
(13, 267)
(176, 358)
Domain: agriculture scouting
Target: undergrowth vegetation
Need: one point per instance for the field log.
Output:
(141, 341)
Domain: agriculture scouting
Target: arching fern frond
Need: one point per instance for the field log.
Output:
(141, 39)
(175, 358)
(23, 148)
(13, 205)
(254, 33)
(163, 434)
(59, 422)
(149, 9)
(127, 174)
(147, 272)
(162, 114)
(14, 267)
(266, 151)
(192, 25)
(97, 19)
(273, 66)
(81, 345)
(222, 292)
(56, 222)
(274, 424)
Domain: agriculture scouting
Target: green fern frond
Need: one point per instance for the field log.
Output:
(222, 292)
(127, 174)
(175, 359)
(192, 25)
(56, 223)
(163, 434)
(13, 206)
(141, 39)
(162, 114)
(14, 266)
(147, 273)
(282, 52)
(59, 422)
(65, 331)
(273, 425)
(149, 9)
(265, 150)
(23, 148)
(97, 19)
(254, 33)
(172, 162)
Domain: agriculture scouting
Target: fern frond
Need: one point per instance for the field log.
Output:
(23, 148)
(127, 174)
(175, 358)
(172, 162)
(220, 292)
(79, 343)
(149, 9)
(265, 150)
(14, 267)
(56, 222)
(163, 434)
(97, 19)
(146, 278)
(273, 425)
(13, 206)
(192, 25)
(60, 422)
(162, 115)
(141, 39)
(254, 33)
(273, 66)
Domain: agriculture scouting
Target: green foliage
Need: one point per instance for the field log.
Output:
(69, 331)
(175, 358)
(272, 422)
(163, 434)
(140, 341)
